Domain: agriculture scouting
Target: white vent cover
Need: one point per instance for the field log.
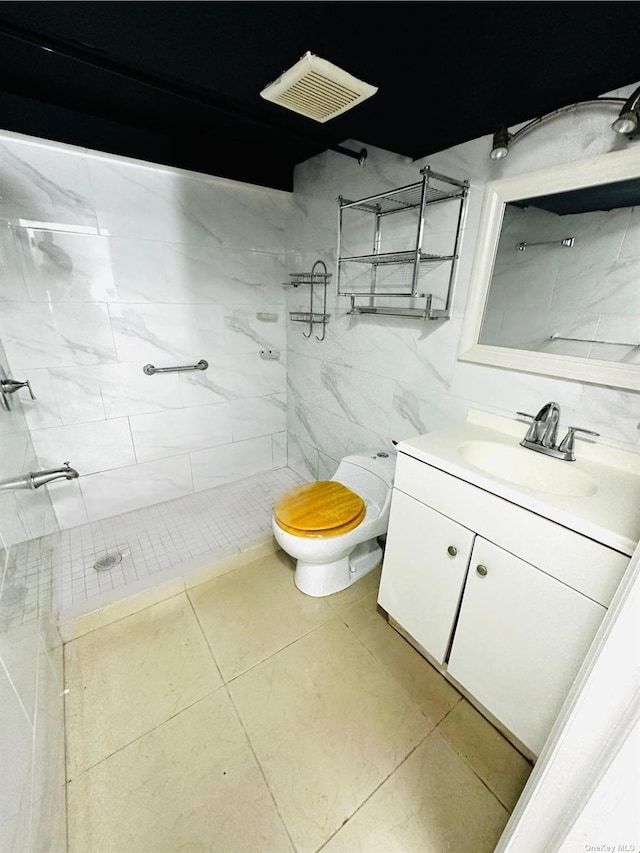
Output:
(317, 89)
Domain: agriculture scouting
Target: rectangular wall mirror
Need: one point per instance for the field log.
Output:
(555, 288)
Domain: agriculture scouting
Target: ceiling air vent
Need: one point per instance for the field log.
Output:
(317, 89)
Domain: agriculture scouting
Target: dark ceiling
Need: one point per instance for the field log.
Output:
(179, 83)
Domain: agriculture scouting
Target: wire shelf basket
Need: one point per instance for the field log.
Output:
(307, 317)
(311, 317)
(298, 278)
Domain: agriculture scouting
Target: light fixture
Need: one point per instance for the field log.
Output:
(627, 123)
(500, 144)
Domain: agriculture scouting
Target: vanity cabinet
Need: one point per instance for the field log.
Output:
(426, 561)
(504, 601)
(520, 640)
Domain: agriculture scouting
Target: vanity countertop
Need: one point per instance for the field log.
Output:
(610, 515)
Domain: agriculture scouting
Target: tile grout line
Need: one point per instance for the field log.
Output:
(376, 789)
(260, 767)
(337, 616)
(205, 638)
(277, 652)
(144, 734)
(153, 728)
(460, 699)
(388, 674)
(225, 685)
(463, 757)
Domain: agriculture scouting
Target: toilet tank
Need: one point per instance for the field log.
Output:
(369, 474)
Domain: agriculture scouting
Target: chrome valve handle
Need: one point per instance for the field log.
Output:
(567, 444)
(10, 386)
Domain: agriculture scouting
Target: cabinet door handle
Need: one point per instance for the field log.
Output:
(481, 570)
(452, 550)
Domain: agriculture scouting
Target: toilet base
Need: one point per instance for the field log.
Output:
(320, 579)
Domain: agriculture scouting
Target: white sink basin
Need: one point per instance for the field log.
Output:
(598, 495)
(524, 467)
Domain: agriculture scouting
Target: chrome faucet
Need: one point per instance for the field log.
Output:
(35, 479)
(544, 429)
(542, 435)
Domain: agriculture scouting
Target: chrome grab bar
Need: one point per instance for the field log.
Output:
(567, 242)
(149, 369)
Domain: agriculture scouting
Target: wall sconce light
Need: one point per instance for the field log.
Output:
(627, 123)
(500, 144)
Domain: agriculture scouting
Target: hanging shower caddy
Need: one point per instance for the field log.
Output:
(317, 277)
(397, 276)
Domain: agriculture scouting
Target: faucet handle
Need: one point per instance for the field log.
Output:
(566, 445)
(582, 429)
(10, 386)
(526, 415)
(571, 431)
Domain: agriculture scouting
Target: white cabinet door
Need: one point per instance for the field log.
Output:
(520, 640)
(425, 564)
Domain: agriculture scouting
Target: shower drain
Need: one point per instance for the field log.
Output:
(107, 562)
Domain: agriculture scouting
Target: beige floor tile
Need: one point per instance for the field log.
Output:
(420, 681)
(365, 588)
(132, 675)
(191, 785)
(433, 803)
(328, 725)
(500, 766)
(255, 611)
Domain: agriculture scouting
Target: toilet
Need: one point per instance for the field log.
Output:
(331, 527)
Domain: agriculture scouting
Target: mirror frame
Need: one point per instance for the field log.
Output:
(608, 168)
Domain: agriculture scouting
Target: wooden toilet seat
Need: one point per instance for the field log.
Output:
(321, 509)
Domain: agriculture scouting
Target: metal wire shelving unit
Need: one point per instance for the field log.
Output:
(400, 293)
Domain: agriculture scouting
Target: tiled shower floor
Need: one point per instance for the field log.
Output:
(155, 540)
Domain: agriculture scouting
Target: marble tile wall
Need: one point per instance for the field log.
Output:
(25, 514)
(109, 264)
(375, 379)
(588, 290)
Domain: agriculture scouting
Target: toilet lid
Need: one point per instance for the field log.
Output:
(325, 508)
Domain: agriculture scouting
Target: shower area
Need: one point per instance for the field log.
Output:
(118, 278)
